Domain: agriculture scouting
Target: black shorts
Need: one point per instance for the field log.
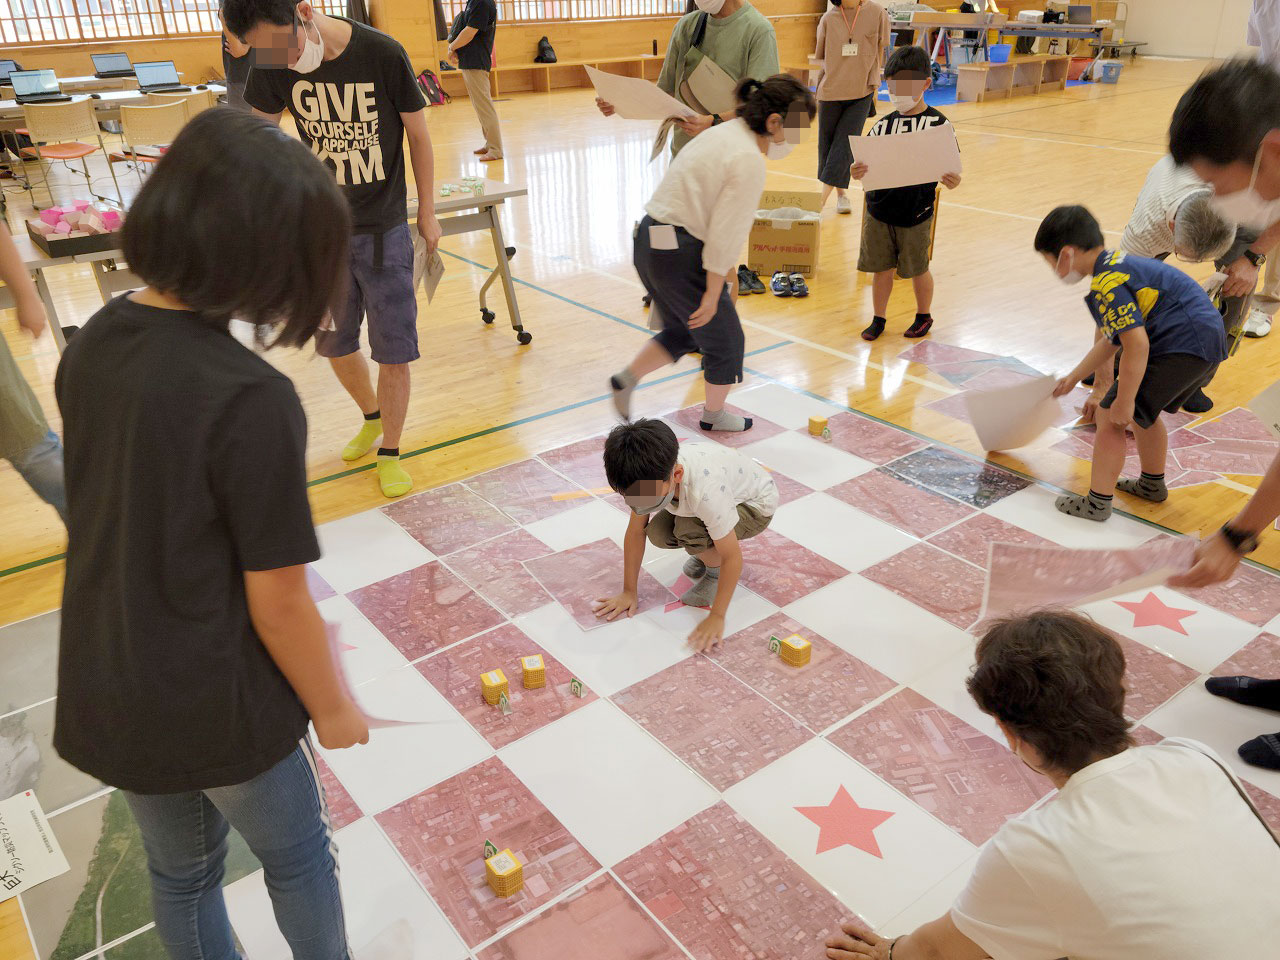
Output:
(676, 281)
(1169, 381)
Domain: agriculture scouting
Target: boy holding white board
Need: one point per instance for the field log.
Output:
(898, 226)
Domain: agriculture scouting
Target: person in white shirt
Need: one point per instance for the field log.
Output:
(1144, 853)
(1174, 214)
(702, 497)
(694, 228)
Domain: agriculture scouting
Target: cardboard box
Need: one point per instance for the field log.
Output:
(787, 245)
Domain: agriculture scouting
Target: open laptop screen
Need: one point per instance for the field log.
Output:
(27, 83)
(7, 67)
(155, 74)
(111, 62)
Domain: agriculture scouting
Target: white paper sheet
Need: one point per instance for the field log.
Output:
(427, 270)
(1023, 577)
(374, 722)
(904, 159)
(29, 852)
(1010, 417)
(1266, 406)
(636, 99)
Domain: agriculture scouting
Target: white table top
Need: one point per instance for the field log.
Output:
(494, 192)
(107, 100)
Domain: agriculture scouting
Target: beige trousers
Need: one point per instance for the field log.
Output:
(478, 90)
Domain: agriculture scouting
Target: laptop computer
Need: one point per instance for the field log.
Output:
(36, 86)
(7, 67)
(109, 65)
(158, 76)
(1079, 13)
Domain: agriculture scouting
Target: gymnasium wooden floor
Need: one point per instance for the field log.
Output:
(480, 400)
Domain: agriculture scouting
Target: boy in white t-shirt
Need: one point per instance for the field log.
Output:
(699, 496)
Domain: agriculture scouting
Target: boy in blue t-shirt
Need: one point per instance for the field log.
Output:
(1171, 340)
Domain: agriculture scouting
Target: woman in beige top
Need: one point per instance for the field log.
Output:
(853, 38)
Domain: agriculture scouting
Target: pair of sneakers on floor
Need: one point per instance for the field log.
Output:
(789, 285)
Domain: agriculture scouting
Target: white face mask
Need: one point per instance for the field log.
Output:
(779, 150)
(1073, 276)
(1247, 206)
(709, 6)
(312, 50)
(903, 102)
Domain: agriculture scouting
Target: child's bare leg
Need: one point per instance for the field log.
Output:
(1153, 451)
(1108, 461)
(923, 285)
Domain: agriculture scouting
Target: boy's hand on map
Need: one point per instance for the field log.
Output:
(610, 608)
(708, 633)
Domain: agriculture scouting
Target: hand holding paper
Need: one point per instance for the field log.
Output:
(635, 99)
(1009, 417)
(905, 159)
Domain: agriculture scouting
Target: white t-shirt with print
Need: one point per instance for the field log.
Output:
(716, 479)
(1148, 233)
(1148, 855)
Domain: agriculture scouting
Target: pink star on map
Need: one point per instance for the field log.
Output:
(843, 823)
(1151, 611)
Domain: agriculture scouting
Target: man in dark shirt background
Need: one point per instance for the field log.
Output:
(471, 51)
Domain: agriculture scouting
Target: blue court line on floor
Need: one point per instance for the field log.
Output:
(960, 450)
(32, 564)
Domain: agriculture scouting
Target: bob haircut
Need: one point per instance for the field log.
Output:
(240, 220)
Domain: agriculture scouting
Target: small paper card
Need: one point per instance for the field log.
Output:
(29, 852)
(490, 851)
(1267, 407)
(775, 645)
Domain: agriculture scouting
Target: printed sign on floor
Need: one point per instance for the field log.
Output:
(29, 852)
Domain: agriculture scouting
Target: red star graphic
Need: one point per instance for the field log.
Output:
(842, 822)
(1151, 611)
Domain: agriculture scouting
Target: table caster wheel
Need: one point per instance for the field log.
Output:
(486, 315)
(524, 336)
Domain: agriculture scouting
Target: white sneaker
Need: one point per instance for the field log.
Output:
(842, 204)
(1257, 324)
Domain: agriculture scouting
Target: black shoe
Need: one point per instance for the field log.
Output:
(646, 300)
(757, 286)
(744, 281)
(1198, 403)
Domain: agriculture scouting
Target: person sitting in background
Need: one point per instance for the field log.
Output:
(1143, 852)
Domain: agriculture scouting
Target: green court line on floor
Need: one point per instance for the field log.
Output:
(30, 564)
(942, 443)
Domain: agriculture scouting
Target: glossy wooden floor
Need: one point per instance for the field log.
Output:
(481, 400)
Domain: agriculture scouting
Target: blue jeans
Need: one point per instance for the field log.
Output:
(41, 467)
(284, 819)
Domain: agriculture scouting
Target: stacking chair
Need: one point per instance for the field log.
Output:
(155, 127)
(197, 100)
(57, 131)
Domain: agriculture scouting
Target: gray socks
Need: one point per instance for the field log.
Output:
(724, 420)
(1095, 506)
(703, 593)
(1149, 486)
(622, 385)
(694, 568)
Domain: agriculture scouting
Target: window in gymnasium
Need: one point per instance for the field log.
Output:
(551, 10)
(67, 21)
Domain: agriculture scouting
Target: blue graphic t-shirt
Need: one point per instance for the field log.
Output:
(1127, 292)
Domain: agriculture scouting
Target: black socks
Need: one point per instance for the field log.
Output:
(1249, 691)
(388, 451)
(874, 330)
(920, 327)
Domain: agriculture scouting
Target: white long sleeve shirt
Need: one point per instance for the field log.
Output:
(712, 189)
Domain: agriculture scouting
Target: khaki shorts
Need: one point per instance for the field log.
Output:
(669, 532)
(886, 248)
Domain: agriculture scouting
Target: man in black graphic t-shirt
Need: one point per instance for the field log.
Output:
(354, 98)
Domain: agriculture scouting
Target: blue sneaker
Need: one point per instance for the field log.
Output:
(781, 285)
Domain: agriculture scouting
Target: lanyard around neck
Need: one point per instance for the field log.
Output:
(845, 16)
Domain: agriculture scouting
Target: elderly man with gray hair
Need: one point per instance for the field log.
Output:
(1174, 215)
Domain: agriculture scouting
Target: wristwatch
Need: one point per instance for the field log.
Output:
(1241, 541)
(1257, 259)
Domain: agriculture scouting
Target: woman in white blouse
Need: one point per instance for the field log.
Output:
(1144, 853)
(694, 229)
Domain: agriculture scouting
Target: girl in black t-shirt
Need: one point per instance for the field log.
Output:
(192, 656)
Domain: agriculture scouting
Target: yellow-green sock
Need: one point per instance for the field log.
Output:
(363, 441)
(392, 476)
